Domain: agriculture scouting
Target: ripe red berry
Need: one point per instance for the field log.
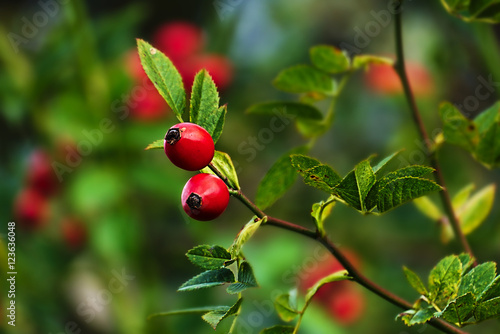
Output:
(189, 146)
(40, 175)
(31, 209)
(179, 39)
(205, 197)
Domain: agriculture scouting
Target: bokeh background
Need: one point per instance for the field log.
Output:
(114, 213)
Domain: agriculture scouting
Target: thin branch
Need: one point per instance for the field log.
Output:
(430, 152)
(356, 275)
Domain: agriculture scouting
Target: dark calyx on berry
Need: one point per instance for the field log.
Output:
(173, 135)
(194, 201)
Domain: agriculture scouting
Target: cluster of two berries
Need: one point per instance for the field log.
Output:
(190, 147)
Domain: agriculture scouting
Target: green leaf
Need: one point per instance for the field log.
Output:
(280, 177)
(246, 279)
(488, 148)
(365, 179)
(195, 310)
(428, 208)
(219, 126)
(477, 280)
(209, 257)
(491, 291)
(455, 5)
(459, 310)
(444, 279)
(466, 260)
(487, 118)
(245, 234)
(402, 190)
(476, 209)
(477, 10)
(341, 275)
(310, 129)
(286, 312)
(457, 129)
(462, 196)
(378, 168)
(214, 317)
(289, 109)
(412, 317)
(373, 196)
(477, 7)
(329, 59)
(413, 171)
(347, 190)
(304, 79)
(222, 161)
(208, 279)
(156, 144)
(204, 108)
(320, 211)
(365, 61)
(279, 329)
(164, 76)
(415, 281)
(488, 309)
(315, 173)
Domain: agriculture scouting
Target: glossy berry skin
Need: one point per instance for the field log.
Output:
(189, 146)
(204, 197)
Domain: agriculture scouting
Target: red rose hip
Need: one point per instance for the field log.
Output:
(189, 146)
(204, 197)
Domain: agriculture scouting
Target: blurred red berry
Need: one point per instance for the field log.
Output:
(31, 209)
(383, 79)
(133, 65)
(178, 39)
(40, 175)
(150, 107)
(74, 232)
(219, 67)
(346, 305)
(324, 268)
(342, 299)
